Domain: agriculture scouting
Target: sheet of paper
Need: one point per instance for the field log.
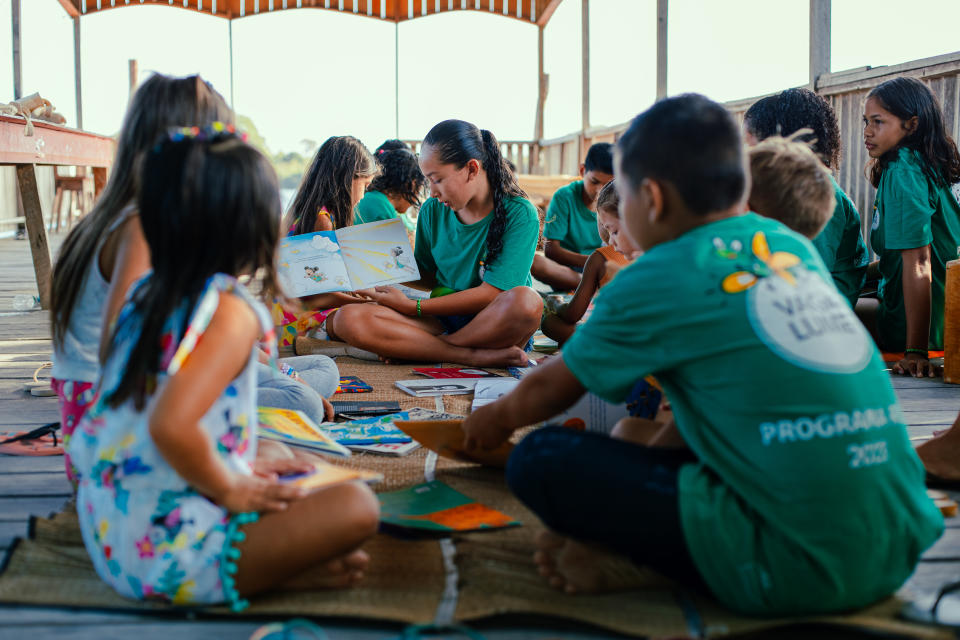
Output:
(488, 391)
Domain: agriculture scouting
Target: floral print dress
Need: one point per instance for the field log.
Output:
(151, 535)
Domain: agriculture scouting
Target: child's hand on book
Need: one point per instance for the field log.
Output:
(393, 298)
(259, 493)
(483, 430)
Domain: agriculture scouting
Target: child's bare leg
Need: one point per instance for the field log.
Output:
(554, 274)
(867, 310)
(556, 328)
(941, 454)
(320, 532)
(509, 320)
(649, 433)
(388, 333)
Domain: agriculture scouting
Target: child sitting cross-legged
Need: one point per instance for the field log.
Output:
(172, 503)
(789, 183)
(798, 490)
(560, 321)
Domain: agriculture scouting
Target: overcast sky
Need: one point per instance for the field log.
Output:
(309, 74)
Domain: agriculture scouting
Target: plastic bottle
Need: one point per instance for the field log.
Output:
(25, 302)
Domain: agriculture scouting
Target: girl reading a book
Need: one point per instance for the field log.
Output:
(173, 504)
(341, 171)
(476, 237)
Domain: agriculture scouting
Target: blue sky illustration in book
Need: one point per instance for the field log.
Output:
(311, 263)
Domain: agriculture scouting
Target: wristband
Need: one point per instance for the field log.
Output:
(419, 312)
(921, 352)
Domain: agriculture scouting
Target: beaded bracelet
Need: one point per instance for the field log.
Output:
(419, 312)
(920, 352)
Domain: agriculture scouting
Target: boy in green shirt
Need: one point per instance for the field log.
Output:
(800, 491)
(571, 224)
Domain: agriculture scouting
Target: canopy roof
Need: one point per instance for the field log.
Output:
(532, 11)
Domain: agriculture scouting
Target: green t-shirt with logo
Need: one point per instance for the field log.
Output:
(841, 246)
(570, 222)
(807, 495)
(911, 211)
(372, 207)
(453, 251)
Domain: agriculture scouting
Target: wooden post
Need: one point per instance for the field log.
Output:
(77, 74)
(543, 83)
(585, 73)
(17, 68)
(396, 78)
(820, 11)
(99, 180)
(27, 180)
(134, 75)
(662, 10)
(230, 34)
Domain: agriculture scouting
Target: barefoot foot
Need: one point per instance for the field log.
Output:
(508, 357)
(338, 573)
(575, 567)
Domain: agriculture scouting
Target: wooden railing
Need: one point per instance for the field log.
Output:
(845, 90)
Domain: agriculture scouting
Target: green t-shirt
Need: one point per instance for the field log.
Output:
(453, 251)
(842, 248)
(570, 222)
(372, 207)
(911, 211)
(807, 495)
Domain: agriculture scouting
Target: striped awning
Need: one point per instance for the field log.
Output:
(533, 11)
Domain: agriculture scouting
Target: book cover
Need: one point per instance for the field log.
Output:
(353, 410)
(592, 413)
(396, 449)
(325, 475)
(488, 391)
(352, 384)
(454, 372)
(297, 430)
(375, 430)
(446, 438)
(355, 257)
(435, 506)
(431, 387)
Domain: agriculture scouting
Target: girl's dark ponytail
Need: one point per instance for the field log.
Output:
(503, 183)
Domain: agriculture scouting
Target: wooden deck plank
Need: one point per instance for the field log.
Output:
(21, 508)
(10, 529)
(44, 484)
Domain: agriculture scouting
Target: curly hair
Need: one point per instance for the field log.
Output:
(399, 175)
(792, 110)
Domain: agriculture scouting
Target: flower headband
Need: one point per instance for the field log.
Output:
(209, 132)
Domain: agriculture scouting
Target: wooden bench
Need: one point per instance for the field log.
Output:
(540, 189)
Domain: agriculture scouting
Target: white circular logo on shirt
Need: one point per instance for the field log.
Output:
(808, 323)
(876, 220)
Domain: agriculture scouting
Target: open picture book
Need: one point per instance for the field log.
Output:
(355, 257)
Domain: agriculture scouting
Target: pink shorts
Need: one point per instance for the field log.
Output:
(75, 398)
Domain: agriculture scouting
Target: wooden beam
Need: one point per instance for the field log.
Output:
(547, 12)
(585, 64)
(662, 11)
(134, 76)
(52, 145)
(70, 8)
(36, 232)
(543, 83)
(820, 11)
(77, 71)
(17, 66)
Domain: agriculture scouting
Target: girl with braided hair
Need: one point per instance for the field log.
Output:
(476, 238)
